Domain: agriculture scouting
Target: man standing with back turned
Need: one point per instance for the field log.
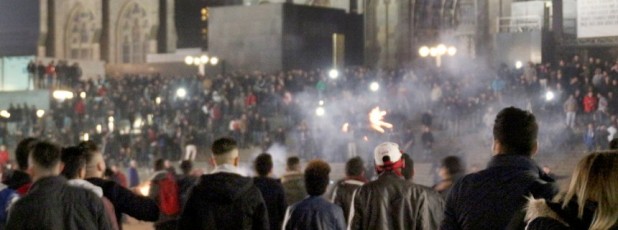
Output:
(495, 197)
(224, 199)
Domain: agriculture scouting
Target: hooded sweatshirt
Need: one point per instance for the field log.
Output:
(224, 200)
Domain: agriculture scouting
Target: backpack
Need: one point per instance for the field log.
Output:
(168, 195)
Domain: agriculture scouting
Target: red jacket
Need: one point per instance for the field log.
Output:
(250, 100)
(4, 157)
(590, 104)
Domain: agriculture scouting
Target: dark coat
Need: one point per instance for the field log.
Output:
(494, 198)
(294, 187)
(53, 204)
(224, 201)
(273, 195)
(314, 213)
(343, 193)
(127, 202)
(390, 202)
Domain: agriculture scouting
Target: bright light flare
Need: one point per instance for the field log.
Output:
(214, 60)
(86, 137)
(374, 86)
(320, 111)
(40, 113)
(99, 128)
(451, 51)
(518, 64)
(181, 93)
(376, 119)
(423, 51)
(549, 96)
(188, 60)
(5, 114)
(204, 59)
(82, 95)
(345, 127)
(144, 188)
(333, 74)
(158, 100)
(62, 95)
(441, 49)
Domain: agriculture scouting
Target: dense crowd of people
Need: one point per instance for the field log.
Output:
(144, 117)
(71, 188)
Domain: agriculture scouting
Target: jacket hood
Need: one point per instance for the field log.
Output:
(86, 185)
(224, 186)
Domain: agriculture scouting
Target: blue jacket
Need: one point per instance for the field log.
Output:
(494, 198)
(314, 213)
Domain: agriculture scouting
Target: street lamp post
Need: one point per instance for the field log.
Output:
(437, 52)
(201, 62)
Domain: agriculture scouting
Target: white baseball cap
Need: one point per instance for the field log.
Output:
(389, 149)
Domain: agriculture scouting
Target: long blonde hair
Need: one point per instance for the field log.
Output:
(596, 179)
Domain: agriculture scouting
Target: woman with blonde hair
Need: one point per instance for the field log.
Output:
(591, 201)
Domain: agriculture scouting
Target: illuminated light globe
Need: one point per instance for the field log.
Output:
(451, 51)
(518, 64)
(441, 49)
(204, 59)
(158, 100)
(188, 60)
(214, 60)
(320, 111)
(321, 102)
(374, 86)
(62, 95)
(181, 93)
(40, 113)
(423, 51)
(82, 95)
(433, 52)
(333, 74)
(549, 96)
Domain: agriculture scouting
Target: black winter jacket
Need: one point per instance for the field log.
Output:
(53, 204)
(224, 201)
(390, 202)
(494, 198)
(343, 193)
(274, 197)
(127, 202)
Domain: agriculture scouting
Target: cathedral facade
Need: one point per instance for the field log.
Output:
(114, 31)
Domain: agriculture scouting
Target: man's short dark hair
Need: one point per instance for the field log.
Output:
(316, 177)
(186, 166)
(90, 149)
(354, 167)
(74, 160)
(159, 164)
(263, 164)
(516, 130)
(22, 151)
(292, 162)
(408, 171)
(452, 164)
(613, 145)
(223, 146)
(46, 154)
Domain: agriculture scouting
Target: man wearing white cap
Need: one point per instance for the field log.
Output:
(391, 202)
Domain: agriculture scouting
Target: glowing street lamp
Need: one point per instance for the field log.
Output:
(549, 96)
(374, 86)
(518, 64)
(333, 74)
(320, 111)
(437, 52)
(181, 93)
(40, 113)
(201, 62)
(62, 95)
